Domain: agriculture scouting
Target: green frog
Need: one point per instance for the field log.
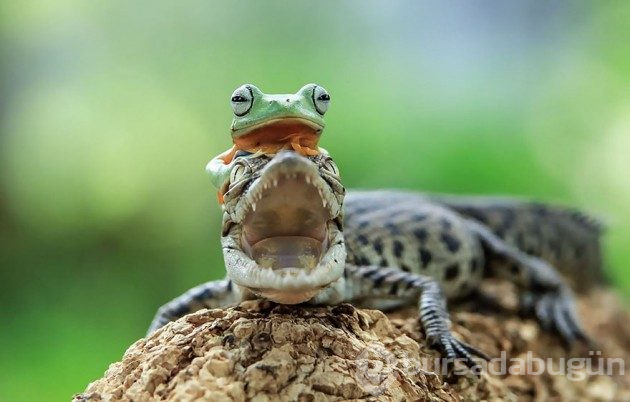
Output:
(267, 123)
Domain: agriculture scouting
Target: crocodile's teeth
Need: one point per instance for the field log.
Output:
(324, 203)
(308, 180)
(254, 206)
(275, 182)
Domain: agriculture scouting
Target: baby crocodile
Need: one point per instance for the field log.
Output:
(291, 235)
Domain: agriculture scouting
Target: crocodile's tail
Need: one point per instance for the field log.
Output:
(568, 239)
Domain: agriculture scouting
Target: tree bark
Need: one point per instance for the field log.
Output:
(262, 351)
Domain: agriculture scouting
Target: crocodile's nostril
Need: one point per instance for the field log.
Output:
(288, 99)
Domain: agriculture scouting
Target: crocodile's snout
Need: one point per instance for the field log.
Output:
(289, 160)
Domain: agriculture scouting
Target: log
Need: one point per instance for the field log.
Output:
(261, 351)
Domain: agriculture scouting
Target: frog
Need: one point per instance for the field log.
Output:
(264, 124)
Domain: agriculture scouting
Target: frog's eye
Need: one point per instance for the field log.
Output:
(242, 100)
(321, 99)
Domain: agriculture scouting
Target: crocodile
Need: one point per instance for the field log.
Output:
(291, 234)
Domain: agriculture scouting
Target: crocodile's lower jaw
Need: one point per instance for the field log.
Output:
(284, 285)
(284, 297)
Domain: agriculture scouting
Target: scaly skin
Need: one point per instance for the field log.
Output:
(285, 238)
(391, 248)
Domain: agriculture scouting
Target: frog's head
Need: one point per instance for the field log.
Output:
(258, 115)
(282, 225)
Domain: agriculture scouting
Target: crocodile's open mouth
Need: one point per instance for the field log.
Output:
(288, 245)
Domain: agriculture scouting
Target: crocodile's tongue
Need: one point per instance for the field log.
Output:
(287, 252)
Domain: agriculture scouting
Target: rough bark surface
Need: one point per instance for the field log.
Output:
(261, 351)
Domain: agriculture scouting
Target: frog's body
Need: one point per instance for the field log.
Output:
(287, 236)
(266, 124)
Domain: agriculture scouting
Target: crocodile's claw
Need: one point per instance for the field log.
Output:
(455, 350)
(554, 311)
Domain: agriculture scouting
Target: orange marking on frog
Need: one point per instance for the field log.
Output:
(272, 138)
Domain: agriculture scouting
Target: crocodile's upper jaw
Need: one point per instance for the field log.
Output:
(284, 242)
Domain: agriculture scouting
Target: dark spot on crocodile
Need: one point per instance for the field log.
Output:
(393, 229)
(519, 239)
(452, 272)
(350, 212)
(515, 269)
(363, 224)
(410, 281)
(446, 224)
(405, 267)
(362, 239)
(378, 246)
(425, 257)
(394, 289)
(383, 263)
(452, 244)
(378, 278)
(509, 216)
(474, 265)
(364, 261)
(579, 251)
(180, 310)
(398, 248)
(540, 209)
(464, 287)
(367, 272)
(419, 217)
(205, 294)
(421, 234)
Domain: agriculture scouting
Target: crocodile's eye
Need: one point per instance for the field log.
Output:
(321, 99)
(242, 100)
(237, 173)
(331, 167)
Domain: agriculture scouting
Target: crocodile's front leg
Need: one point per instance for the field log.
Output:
(384, 288)
(212, 294)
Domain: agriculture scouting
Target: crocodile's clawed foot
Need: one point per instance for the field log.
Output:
(555, 312)
(454, 350)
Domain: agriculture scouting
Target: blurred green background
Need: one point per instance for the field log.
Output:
(109, 111)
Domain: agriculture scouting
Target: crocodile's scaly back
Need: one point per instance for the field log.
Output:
(568, 239)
